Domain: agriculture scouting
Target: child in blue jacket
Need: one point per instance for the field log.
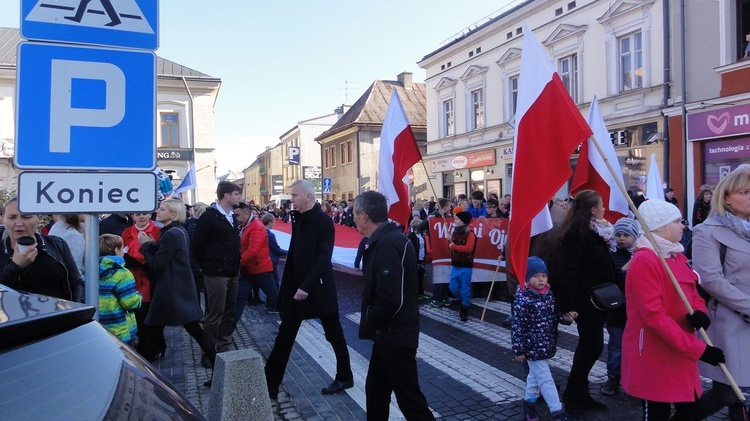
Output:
(534, 335)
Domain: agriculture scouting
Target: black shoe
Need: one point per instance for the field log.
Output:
(273, 392)
(590, 404)
(208, 383)
(205, 362)
(464, 313)
(337, 386)
(611, 386)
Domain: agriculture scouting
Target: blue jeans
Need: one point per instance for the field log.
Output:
(614, 350)
(245, 287)
(460, 284)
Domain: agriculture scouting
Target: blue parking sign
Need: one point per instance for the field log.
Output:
(85, 108)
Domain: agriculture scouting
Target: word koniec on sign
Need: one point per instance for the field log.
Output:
(84, 192)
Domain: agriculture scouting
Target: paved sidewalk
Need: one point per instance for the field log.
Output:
(466, 369)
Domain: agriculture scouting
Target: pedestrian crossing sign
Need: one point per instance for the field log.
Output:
(115, 23)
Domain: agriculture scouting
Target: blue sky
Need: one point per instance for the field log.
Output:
(286, 61)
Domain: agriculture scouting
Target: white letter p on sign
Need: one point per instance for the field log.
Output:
(63, 116)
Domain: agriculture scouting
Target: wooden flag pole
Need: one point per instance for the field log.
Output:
(492, 285)
(664, 264)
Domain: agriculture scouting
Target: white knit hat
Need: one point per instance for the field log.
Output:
(657, 213)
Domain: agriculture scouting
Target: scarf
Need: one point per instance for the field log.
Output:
(604, 229)
(736, 224)
(667, 248)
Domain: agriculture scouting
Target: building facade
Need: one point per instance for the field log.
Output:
(270, 171)
(351, 147)
(609, 49)
(301, 159)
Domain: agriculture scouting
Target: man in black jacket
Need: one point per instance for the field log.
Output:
(217, 250)
(308, 291)
(390, 312)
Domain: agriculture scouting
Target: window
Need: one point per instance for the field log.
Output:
(349, 151)
(170, 130)
(448, 127)
(513, 89)
(333, 156)
(325, 157)
(343, 153)
(631, 62)
(477, 109)
(743, 29)
(569, 75)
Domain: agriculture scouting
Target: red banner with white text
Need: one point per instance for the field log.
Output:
(492, 234)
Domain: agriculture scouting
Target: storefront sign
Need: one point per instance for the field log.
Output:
(508, 152)
(176, 154)
(469, 160)
(725, 122)
(727, 149)
(724, 156)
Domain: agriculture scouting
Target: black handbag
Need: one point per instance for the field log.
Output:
(607, 296)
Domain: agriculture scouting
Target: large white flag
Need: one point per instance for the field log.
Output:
(654, 185)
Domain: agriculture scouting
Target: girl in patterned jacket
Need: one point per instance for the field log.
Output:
(534, 335)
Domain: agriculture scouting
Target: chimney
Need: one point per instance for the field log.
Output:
(405, 80)
(339, 112)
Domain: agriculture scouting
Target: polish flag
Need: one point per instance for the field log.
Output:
(592, 172)
(398, 153)
(549, 129)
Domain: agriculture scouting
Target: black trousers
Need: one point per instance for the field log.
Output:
(719, 396)
(282, 347)
(590, 323)
(661, 411)
(151, 341)
(394, 369)
(202, 337)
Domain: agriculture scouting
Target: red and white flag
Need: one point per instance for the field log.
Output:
(592, 172)
(398, 153)
(550, 128)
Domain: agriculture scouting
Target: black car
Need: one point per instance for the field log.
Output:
(58, 363)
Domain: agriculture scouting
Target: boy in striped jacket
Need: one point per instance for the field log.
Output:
(118, 297)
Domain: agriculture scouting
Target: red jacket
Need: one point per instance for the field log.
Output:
(256, 257)
(660, 349)
(130, 240)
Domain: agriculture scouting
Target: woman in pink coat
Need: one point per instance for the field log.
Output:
(660, 349)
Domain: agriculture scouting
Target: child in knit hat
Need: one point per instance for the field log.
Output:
(534, 335)
(463, 243)
(626, 232)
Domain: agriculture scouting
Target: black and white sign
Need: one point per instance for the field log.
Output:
(310, 173)
(86, 192)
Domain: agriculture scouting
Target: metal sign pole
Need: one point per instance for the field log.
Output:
(92, 261)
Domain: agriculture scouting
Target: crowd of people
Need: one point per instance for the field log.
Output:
(628, 277)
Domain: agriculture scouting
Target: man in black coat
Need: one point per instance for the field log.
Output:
(390, 312)
(217, 250)
(308, 290)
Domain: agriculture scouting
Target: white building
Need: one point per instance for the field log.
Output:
(301, 154)
(609, 49)
(185, 116)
